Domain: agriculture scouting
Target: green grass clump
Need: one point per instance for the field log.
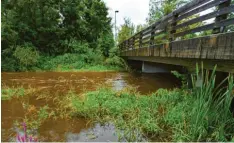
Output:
(127, 110)
(81, 62)
(8, 93)
(198, 114)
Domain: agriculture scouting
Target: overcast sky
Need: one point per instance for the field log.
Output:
(136, 10)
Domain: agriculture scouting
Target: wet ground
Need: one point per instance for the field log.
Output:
(55, 83)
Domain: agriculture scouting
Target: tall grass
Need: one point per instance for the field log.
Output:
(211, 113)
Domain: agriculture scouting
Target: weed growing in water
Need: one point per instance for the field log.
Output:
(8, 93)
(24, 137)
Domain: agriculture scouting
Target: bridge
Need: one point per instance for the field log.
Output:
(198, 31)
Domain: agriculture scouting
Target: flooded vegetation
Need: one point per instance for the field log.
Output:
(81, 101)
(114, 106)
(43, 102)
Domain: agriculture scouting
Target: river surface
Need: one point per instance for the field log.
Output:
(54, 83)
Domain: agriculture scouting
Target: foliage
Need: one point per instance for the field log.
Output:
(89, 61)
(126, 30)
(140, 27)
(8, 93)
(53, 28)
(26, 55)
(160, 8)
(182, 77)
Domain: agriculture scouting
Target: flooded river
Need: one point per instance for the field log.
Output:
(55, 83)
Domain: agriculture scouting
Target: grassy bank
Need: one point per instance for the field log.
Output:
(84, 60)
(89, 68)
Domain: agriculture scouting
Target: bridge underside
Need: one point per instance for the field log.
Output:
(190, 64)
(211, 50)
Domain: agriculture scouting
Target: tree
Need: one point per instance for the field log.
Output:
(140, 27)
(126, 30)
(52, 26)
(48, 23)
(160, 8)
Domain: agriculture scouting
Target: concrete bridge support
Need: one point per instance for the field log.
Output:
(151, 67)
(148, 67)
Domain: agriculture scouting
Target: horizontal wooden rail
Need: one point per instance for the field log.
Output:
(188, 19)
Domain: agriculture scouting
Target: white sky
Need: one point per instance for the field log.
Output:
(136, 10)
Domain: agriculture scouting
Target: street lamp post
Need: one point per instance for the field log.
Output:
(115, 26)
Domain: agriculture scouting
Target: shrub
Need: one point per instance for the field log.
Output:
(27, 56)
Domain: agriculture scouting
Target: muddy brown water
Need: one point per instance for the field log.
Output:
(76, 129)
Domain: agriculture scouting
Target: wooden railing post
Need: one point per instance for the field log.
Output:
(125, 45)
(152, 37)
(133, 42)
(129, 44)
(172, 30)
(151, 41)
(140, 40)
(221, 17)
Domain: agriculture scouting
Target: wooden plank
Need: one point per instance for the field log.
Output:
(206, 17)
(185, 49)
(206, 27)
(231, 48)
(211, 51)
(200, 9)
(204, 47)
(221, 17)
(221, 44)
(195, 48)
(229, 45)
(156, 50)
(173, 24)
(174, 46)
(189, 6)
(165, 50)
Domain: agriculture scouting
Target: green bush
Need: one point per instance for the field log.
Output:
(26, 55)
(116, 61)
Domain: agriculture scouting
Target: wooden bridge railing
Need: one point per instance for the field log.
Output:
(183, 21)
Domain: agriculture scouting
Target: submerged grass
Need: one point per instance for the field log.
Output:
(8, 93)
(93, 68)
(200, 114)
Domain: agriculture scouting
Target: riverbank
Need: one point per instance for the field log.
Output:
(89, 68)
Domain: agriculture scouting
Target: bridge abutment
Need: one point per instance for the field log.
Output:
(148, 67)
